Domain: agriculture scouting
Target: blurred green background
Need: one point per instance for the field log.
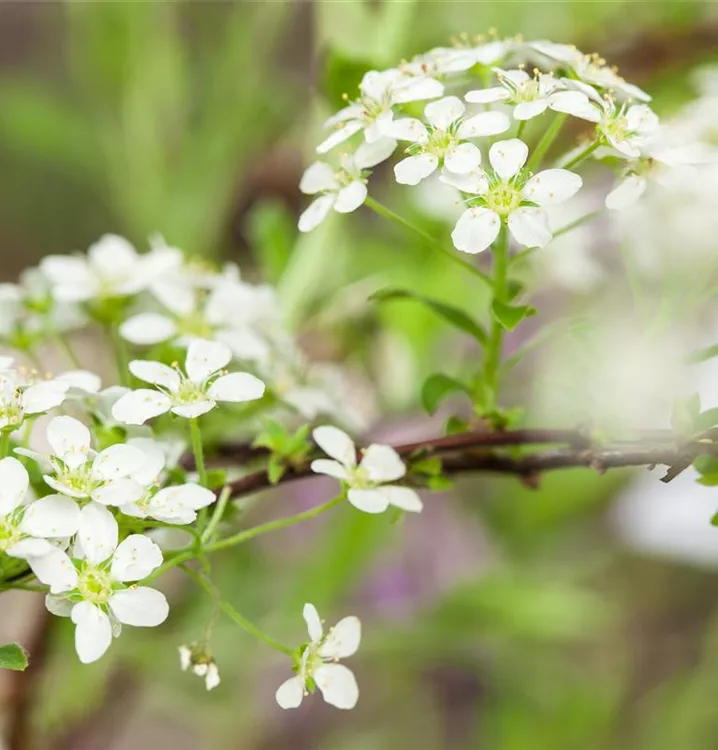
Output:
(502, 618)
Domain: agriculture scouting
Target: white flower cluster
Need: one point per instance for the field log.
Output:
(520, 81)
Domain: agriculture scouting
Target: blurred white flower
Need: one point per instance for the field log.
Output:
(92, 589)
(187, 394)
(506, 195)
(194, 657)
(318, 664)
(369, 482)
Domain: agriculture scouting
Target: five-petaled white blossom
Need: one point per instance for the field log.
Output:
(318, 664)
(26, 525)
(443, 141)
(373, 112)
(190, 393)
(530, 96)
(505, 194)
(92, 588)
(343, 190)
(369, 481)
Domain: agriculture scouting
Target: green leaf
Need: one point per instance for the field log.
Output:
(706, 465)
(436, 388)
(216, 478)
(703, 354)
(509, 316)
(275, 469)
(455, 425)
(453, 315)
(13, 656)
(706, 420)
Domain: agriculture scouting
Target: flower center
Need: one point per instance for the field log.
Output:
(359, 479)
(502, 198)
(440, 141)
(95, 585)
(79, 480)
(188, 392)
(9, 534)
(528, 91)
(11, 411)
(615, 128)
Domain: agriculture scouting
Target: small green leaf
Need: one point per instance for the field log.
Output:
(509, 316)
(453, 315)
(216, 478)
(275, 469)
(13, 656)
(514, 288)
(709, 480)
(430, 466)
(706, 465)
(706, 420)
(714, 520)
(454, 425)
(436, 388)
(439, 483)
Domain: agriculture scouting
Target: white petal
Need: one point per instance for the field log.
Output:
(14, 481)
(551, 187)
(140, 606)
(70, 277)
(118, 492)
(93, 634)
(51, 516)
(404, 497)
(135, 558)
(204, 358)
(148, 328)
(417, 89)
(178, 504)
(382, 463)
(97, 533)
(641, 119)
(370, 154)
(290, 693)
(443, 112)
(413, 169)
(194, 410)
(528, 110)
(337, 444)
(349, 198)
(315, 213)
(136, 407)
(628, 191)
(117, 461)
(29, 547)
(317, 178)
(369, 501)
(529, 226)
(475, 182)
(82, 380)
(314, 623)
(487, 96)
(338, 685)
(155, 373)
(484, 124)
(330, 468)
(339, 136)
(54, 569)
(236, 387)
(574, 103)
(409, 129)
(463, 158)
(44, 396)
(70, 440)
(342, 640)
(507, 157)
(153, 460)
(60, 606)
(212, 679)
(475, 230)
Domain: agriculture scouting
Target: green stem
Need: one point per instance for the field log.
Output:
(121, 356)
(5, 443)
(521, 128)
(64, 344)
(219, 507)
(198, 451)
(545, 143)
(266, 528)
(581, 155)
(232, 613)
(387, 213)
(492, 361)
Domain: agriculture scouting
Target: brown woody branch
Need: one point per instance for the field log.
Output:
(499, 452)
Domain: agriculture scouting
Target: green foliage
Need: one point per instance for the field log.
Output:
(509, 316)
(437, 387)
(14, 657)
(287, 448)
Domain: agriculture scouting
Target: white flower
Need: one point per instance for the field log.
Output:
(368, 482)
(175, 504)
(443, 141)
(230, 313)
(318, 665)
(190, 393)
(202, 664)
(112, 268)
(343, 190)
(92, 590)
(529, 96)
(373, 111)
(82, 473)
(25, 525)
(21, 396)
(505, 195)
